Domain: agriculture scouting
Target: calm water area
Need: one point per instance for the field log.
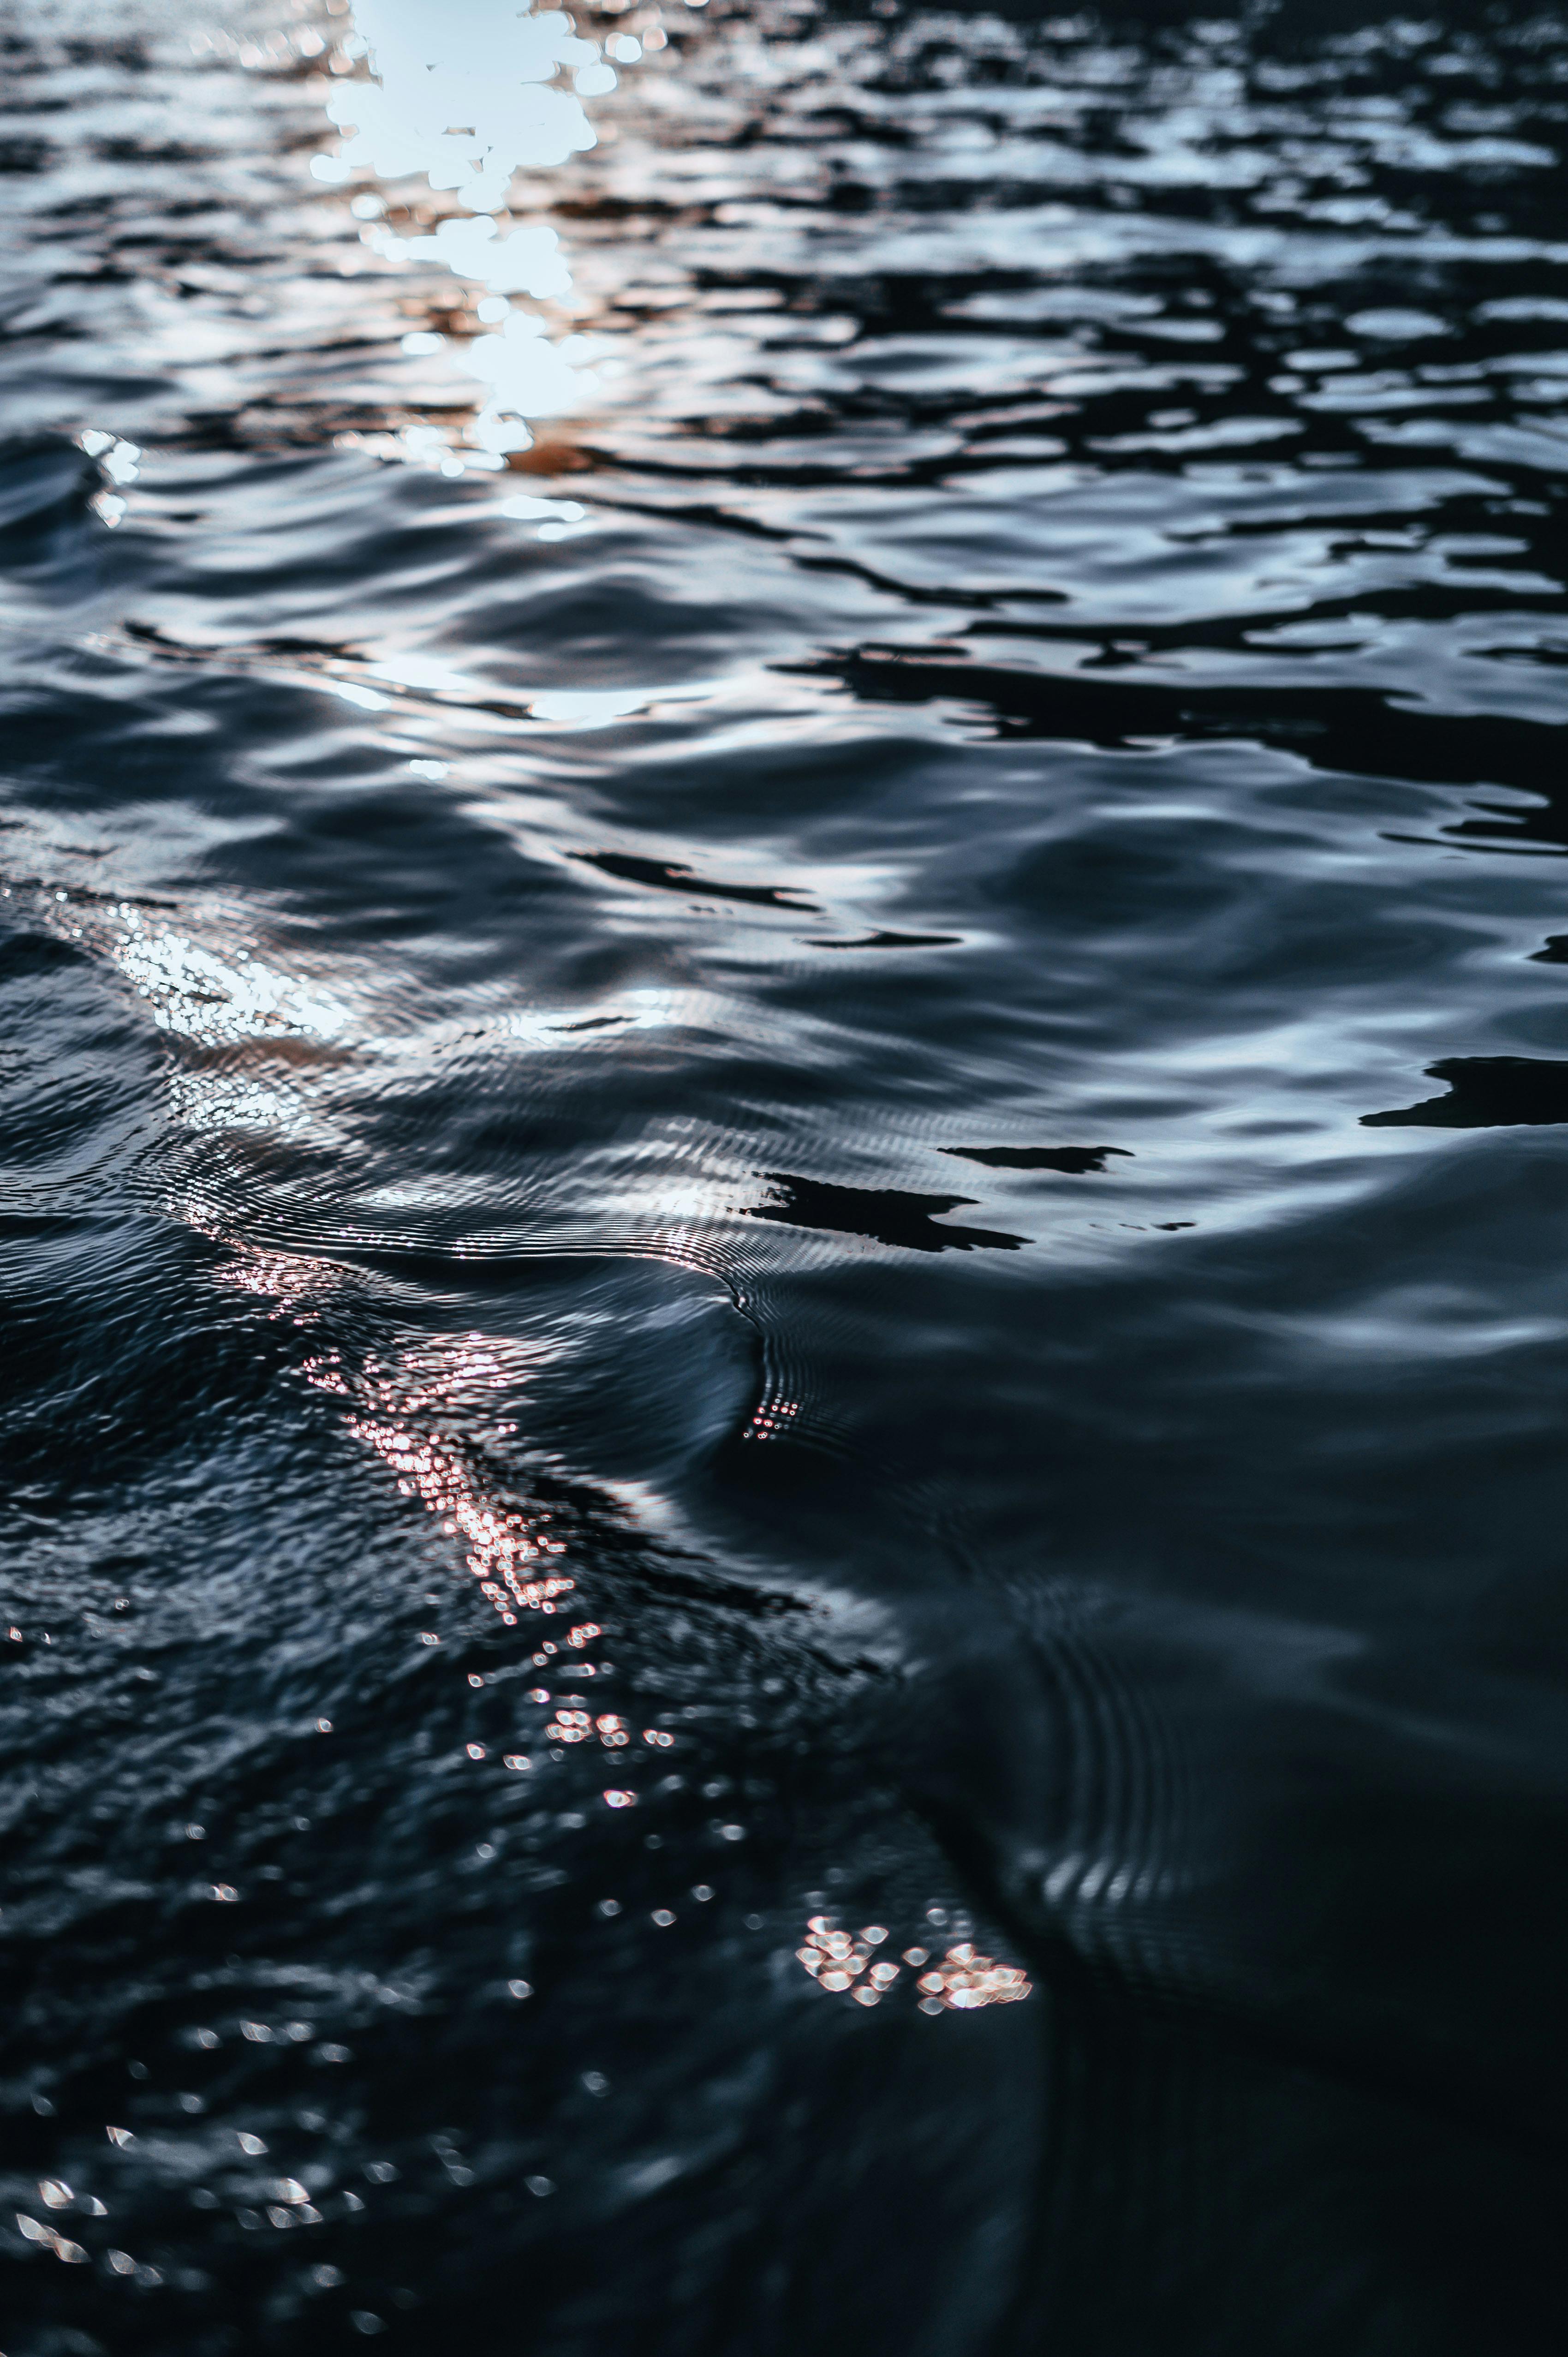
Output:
(783, 1165)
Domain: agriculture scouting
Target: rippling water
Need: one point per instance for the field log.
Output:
(782, 1027)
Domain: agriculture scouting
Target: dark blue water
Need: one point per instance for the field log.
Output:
(785, 1105)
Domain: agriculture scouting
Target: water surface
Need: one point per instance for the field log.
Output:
(785, 1069)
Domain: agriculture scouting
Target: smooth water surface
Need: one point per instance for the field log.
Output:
(784, 1038)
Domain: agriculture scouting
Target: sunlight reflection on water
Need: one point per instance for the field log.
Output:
(464, 98)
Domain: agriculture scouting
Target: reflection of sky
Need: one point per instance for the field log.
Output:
(462, 95)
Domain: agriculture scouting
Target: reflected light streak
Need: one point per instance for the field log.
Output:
(425, 1415)
(403, 1413)
(509, 1551)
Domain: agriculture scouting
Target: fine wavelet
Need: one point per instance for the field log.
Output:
(624, 636)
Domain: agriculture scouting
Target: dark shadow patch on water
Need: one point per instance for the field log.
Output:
(889, 1215)
(881, 939)
(1355, 729)
(1072, 1161)
(1487, 1093)
(673, 876)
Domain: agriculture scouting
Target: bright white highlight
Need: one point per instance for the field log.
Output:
(528, 262)
(466, 94)
(460, 95)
